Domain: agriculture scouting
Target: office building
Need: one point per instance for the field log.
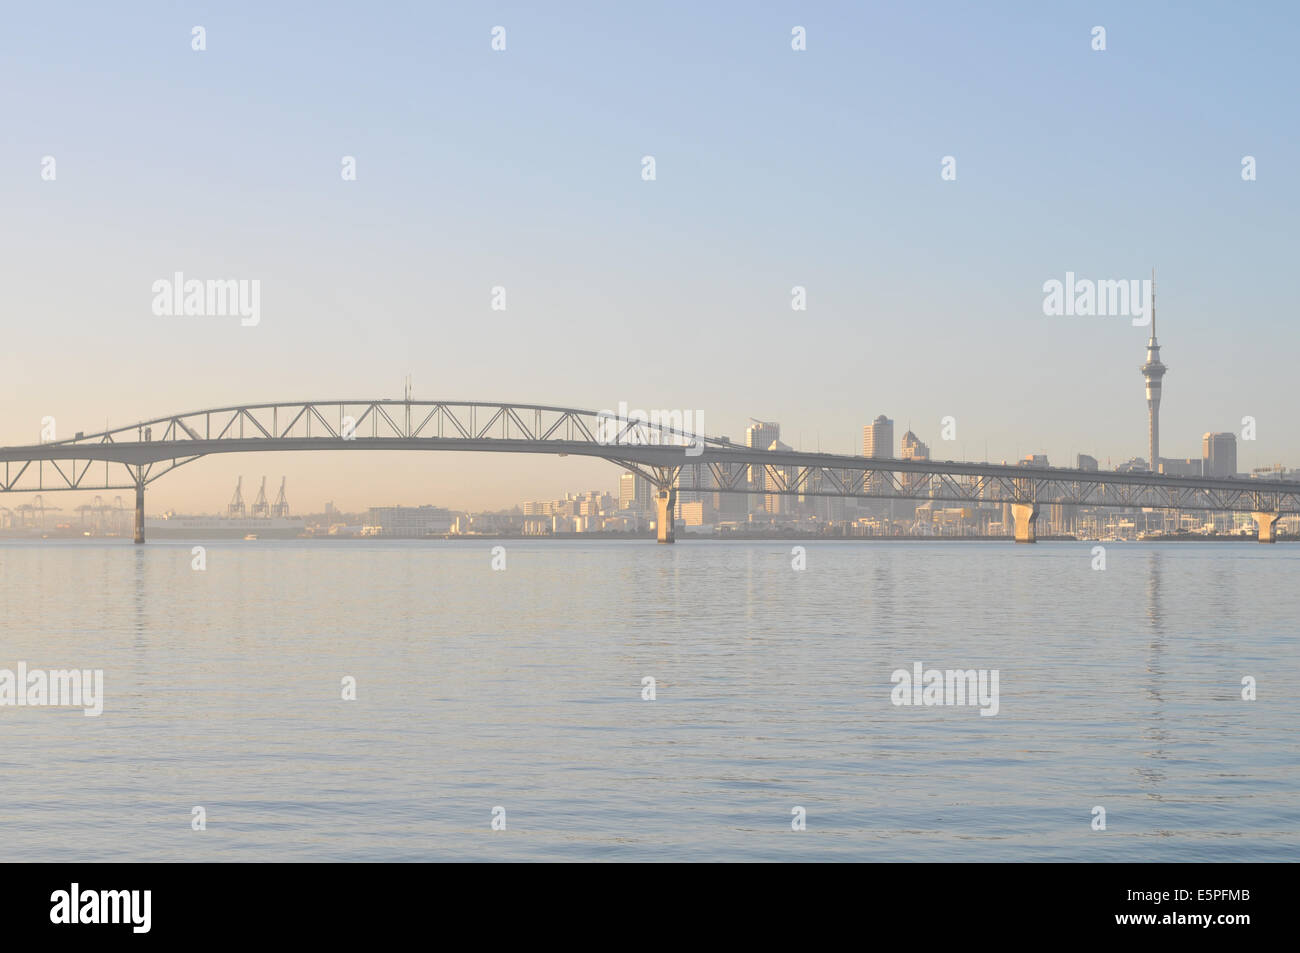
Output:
(1219, 454)
(774, 478)
(911, 448)
(635, 492)
(1190, 467)
(759, 435)
(407, 521)
(878, 439)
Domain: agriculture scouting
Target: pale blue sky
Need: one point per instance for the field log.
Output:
(775, 168)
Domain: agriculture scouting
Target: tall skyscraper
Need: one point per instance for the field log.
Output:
(912, 448)
(774, 503)
(1153, 371)
(760, 436)
(692, 477)
(878, 439)
(635, 492)
(761, 433)
(1219, 454)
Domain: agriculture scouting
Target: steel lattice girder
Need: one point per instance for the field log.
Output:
(654, 450)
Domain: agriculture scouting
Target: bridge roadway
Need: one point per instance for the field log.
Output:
(671, 458)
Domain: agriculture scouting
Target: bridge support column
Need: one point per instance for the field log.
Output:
(666, 510)
(1267, 523)
(1024, 515)
(139, 511)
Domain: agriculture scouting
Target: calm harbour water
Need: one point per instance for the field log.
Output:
(522, 689)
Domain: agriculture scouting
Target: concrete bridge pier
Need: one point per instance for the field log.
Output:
(139, 510)
(1267, 523)
(1024, 514)
(665, 513)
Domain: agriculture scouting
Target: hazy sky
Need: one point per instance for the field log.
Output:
(775, 168)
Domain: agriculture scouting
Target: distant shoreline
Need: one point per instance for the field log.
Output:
(649, 537)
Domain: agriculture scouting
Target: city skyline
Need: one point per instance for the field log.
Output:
(878, 441)
(923, 295)
(699, 479)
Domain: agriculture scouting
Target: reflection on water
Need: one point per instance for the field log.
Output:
(1151, 775)
(522, 689)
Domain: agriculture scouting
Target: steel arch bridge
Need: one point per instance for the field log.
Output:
(655, 446)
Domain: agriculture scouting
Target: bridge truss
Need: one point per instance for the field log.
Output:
(657, 448)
